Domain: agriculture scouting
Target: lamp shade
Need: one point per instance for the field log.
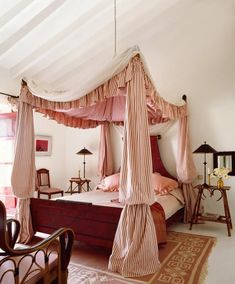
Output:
(205, 148)
(84, 151)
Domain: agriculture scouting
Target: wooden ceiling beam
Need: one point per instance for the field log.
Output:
(30, 60)
(75, 53)
(30, 26)
(15, 10)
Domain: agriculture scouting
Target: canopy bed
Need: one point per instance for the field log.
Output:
(124, 95)
(94, 215)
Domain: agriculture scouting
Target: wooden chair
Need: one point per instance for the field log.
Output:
(44, 262)
(44, 186)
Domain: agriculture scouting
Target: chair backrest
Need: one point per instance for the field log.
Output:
(9, 230)
(43, 177)
(44, 262)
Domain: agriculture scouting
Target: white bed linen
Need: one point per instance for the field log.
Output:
(170, 203)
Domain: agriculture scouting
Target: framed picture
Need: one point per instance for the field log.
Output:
(43, 145)
(225, 160)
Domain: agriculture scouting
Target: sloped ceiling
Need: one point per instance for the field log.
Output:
(63, 43)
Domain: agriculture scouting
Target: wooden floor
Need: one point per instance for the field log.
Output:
(90, 256)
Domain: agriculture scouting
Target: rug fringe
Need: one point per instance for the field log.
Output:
(204, 271)
(117, 275)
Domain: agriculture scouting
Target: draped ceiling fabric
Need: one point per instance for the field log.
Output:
(126, 96)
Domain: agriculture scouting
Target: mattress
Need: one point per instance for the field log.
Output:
(170, 203)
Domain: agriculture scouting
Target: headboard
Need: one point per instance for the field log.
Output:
(156, 157)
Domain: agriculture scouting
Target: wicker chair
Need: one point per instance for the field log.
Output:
(44, 262)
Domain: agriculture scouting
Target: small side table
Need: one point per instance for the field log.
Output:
(197, 216)
(79, 182)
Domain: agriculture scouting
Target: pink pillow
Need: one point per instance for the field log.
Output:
(110, 183)
(163, 185)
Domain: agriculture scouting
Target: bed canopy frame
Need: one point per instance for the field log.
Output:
(125, 95)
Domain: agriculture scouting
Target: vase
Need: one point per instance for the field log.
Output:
(220, 183)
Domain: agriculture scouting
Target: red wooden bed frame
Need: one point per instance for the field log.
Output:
(93, 224)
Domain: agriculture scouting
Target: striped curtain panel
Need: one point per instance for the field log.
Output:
(185, 167)
(105, 163)
(135, 250)
(186, 170)
(23, 172)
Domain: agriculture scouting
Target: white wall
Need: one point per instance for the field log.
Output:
(77, 139)
(195, 56)
(64, 163)
(56, 161)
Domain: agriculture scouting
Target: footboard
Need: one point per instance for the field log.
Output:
(92, 224)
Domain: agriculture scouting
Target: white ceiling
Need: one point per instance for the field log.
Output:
(63, 44)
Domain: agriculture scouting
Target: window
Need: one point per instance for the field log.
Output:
(7, 139)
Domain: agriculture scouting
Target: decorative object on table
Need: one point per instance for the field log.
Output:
(209, 177)
(84, 152)
(220, 183)
(225, 159)
(205, 149)
(43, 145)
(220, 174)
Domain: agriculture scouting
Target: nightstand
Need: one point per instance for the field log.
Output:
(79, 182)
(197, 216)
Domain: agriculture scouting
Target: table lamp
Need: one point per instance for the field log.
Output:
(84, 152)
(206, 149)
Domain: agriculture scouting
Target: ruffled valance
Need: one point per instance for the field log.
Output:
(105, 103)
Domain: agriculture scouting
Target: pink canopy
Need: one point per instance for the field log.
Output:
(128, 98)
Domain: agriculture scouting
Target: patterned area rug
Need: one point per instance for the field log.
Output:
(86, 275)
(183, 261)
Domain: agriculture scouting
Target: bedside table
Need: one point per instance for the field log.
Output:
(79, 182)
(197, 216)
